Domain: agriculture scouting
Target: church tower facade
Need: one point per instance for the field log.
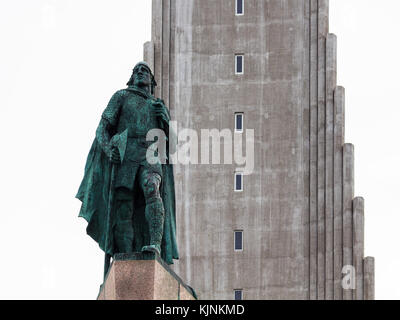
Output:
(293, 228)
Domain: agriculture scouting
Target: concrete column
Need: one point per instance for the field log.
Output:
(156, 38)
(313, 146)
(358, 246)
(148, 54)
(369, 278)
(329, 165)
(322, 33)
(348, 195)
(323, 17)
(171, 57)
(306, 144)
(339, 105)
(166, 37)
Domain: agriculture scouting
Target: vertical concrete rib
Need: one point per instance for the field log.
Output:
(148, 54)
(172, 66)
(156, 38)
(329, 154)
(348, 195)
(313, 146)
(322, 33)
(369, 278)
(166, 37)
(306, 148)
(339, 121)
(358, 246)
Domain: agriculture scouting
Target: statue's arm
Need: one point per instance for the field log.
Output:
(103, 136)
(108, 122)
(171, 134)
(164, 116)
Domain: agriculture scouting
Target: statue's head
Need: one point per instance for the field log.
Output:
(142, 77)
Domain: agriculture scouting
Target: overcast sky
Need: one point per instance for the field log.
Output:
(60, 62)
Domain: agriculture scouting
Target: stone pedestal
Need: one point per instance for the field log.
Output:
(143, 276)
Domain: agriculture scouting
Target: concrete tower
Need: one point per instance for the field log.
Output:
(300, 221)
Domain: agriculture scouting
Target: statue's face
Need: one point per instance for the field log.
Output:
(142, 76)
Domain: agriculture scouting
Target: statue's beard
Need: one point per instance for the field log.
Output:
(142, 83)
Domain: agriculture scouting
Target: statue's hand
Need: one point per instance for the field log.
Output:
(160, 110)
(114, 155)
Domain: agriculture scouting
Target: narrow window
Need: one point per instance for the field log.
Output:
(238, 181)
(239, 67)
(238, 294)
(238, 122)
(239, 7)
(238, 240)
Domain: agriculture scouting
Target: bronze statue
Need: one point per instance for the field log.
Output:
(128, 202)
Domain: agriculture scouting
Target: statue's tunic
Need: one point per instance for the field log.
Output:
(131, 109)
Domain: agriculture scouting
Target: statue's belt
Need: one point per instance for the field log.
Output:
(141, 136)
(140, 141)
(137, 136)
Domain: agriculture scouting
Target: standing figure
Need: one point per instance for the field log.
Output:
(129, 202)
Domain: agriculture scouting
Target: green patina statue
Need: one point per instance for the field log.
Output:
(129, 202)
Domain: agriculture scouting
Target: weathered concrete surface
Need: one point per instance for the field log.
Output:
(329, 163)
(148, 54)
(296, 208)
(348, 195)
(313, 147)
(156, 38)
(306, 150)
(323, 15)
(358, 246)
(369, 278)
(339, 105)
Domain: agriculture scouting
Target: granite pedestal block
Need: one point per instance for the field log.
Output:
(143, 276)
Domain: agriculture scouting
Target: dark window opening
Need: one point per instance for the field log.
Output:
(239, 64)
(239, 122)
(238, 294)
(238, 182)
(239, 6)
(238, 240)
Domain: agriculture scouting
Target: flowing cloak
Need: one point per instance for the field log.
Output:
(94, 193)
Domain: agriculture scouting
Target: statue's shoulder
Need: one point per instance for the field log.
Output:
(118, 97)
(114, 106)
(121, 93)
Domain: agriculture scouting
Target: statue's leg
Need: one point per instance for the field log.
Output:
(150, 182)
(123, 231)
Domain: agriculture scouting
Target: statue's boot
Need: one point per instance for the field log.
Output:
(154, 212)
(123, 230)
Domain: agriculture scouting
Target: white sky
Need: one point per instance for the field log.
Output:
(60, 62)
